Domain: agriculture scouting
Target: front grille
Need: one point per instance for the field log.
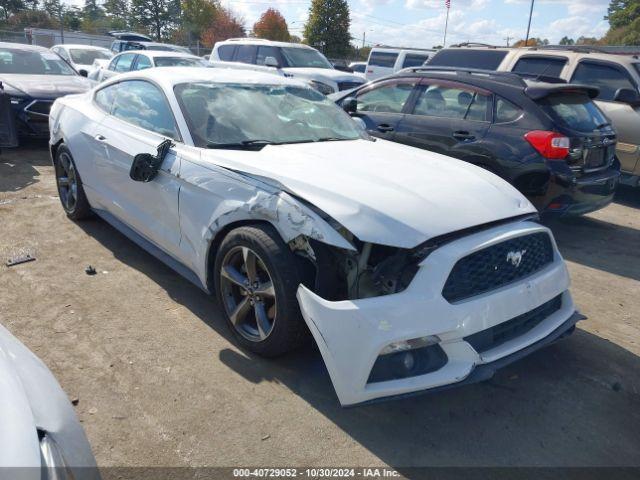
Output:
(495, 336)
(348, 85)
(497, 266)
(41, 107)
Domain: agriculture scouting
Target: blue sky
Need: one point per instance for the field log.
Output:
(420, 23)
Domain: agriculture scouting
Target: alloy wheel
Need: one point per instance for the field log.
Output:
(67, 182)
(248, 293)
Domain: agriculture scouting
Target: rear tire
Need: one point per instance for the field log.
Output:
(72, 196)
(256, 279)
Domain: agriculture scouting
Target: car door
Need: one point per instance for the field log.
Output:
(120, 64)
(382, 105)
(609, 78)
(447, 117)
(141, 118)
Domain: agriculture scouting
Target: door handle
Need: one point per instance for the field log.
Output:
(384, 127)
(463, 135)
(100, 138)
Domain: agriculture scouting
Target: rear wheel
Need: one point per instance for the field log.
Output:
(70, 190)
(256, 279)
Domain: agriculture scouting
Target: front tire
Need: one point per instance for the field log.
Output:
(256, 279)
(72, 196)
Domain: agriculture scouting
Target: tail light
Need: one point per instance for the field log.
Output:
(551, 145)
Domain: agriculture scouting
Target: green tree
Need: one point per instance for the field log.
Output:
(72, 18)
(53, 7)
(328, 27)
(10, 7)
(117, 13)
(624, 20)
(158, 17)
(197, 16)
(567, 41)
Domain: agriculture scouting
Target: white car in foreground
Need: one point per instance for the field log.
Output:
(411, 270)
(40, 436)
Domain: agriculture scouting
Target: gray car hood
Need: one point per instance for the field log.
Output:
(383, 192)
(45, 86)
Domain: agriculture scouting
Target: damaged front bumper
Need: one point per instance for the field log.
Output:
(352, 334)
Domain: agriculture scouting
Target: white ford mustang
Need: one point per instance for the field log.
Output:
(411, 270)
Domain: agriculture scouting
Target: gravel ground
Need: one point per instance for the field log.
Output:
(160, 382)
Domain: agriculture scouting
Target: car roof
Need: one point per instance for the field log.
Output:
(403, 49)
(22, 46)
(168, 77)
(79, 45)
(262, 41)
(160, 53)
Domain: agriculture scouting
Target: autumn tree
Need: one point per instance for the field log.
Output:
(226, 24)
(532, 42)
(272, 26)
(328, 27)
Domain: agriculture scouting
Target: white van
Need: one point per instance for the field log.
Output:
(388, 60)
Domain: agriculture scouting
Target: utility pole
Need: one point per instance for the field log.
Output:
(61, 24)
(446, 26)
(526, 42)
(364, 36)
(508, 39)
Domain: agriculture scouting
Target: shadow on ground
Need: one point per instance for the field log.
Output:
(17, 166)
(599, 244)
(573, 403)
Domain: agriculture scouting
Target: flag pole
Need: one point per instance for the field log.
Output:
(446, 24)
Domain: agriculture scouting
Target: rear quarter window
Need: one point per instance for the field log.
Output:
(414, 60)
(467, 58)
(574, 110)
(383, 59)
(549, 67)
(225, 52)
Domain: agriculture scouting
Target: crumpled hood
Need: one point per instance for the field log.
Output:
(383, 192)
(323, 73)
(46, 86)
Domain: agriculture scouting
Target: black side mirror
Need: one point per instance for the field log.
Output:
(145, 166)
(350, 105)
(83, 73)
(627, 95)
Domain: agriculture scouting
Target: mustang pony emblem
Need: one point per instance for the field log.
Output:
(515, 257)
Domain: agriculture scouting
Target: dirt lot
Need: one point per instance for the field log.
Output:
(160, 382)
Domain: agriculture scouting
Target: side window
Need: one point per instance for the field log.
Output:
(414, 60)
(105, 96)
(225, 52)
(506, 111)
(124, 62)
(264, 52)
(245, 53)
(143, 104)
(547, 66)
(382, 59)
(606, 77)
(388, 98)
(143, 62)
(451, 102)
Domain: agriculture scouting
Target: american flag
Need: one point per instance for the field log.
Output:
(447, 3)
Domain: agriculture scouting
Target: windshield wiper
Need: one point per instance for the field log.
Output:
(332, 139)
(244, 144)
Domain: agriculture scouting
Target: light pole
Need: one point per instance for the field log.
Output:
(526, 41)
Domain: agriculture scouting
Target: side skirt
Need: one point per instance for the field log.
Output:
(151, 248)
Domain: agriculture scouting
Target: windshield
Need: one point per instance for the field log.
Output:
(86, 57)
(224, 114)
(33, 63)
(304, 58)
(167, 48)
(179, 62)
(575, 110)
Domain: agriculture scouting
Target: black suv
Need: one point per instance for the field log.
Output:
(549, 140)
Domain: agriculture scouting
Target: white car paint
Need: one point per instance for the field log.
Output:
(64, 51)
(381, 192)
(31, 399)
(326, 76)
(385, 61)
(108, 71)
